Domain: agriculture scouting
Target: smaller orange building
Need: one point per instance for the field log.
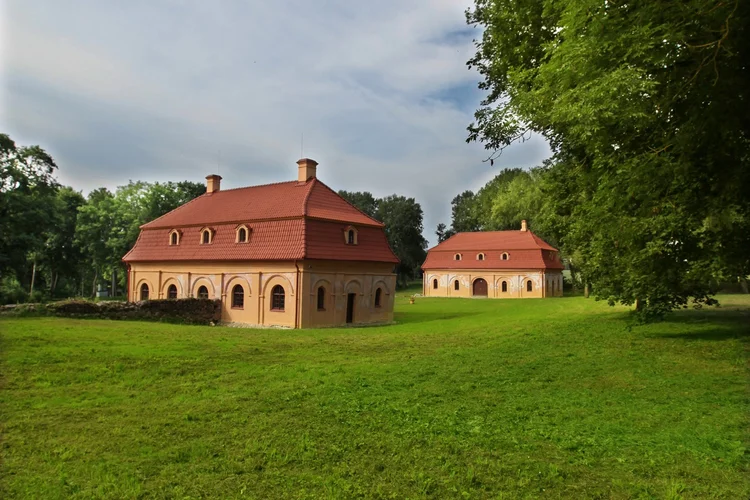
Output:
(495, 264)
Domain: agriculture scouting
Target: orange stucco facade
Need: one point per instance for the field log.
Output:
(519, 283)
(349, 290)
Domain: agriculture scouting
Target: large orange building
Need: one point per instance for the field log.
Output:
(292, 254)
(496, 264)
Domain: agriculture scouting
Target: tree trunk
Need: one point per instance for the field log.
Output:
(33, 277)
(743, 284)
(638, 305)
(586, 290)
(114, 282)
(53, 284)
(573, 272)
(93, 286)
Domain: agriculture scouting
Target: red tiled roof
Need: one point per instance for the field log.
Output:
(269, 240)
(525, 250)
(287, 221)
(270, 201)
(325, 240)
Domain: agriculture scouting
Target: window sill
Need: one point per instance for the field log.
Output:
(238, 308)
(277, 310)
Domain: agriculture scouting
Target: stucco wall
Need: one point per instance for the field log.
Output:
(258, 279)
(516, 283)
(340, 279)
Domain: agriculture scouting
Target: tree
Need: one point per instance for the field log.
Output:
(62, 257)
(94, 227)
(487, 197)
(638, 102)
(403, 226)
(463, 216)
(27, 208)
(440, 232)
(364, 201)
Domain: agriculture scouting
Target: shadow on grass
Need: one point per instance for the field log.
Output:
(713, 334)
(426, 317)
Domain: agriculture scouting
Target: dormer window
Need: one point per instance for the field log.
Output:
(457, 256)
(504, 256)
(243, 234)
(350, 235)
(207, 236)
(174, 237)
(480, 256)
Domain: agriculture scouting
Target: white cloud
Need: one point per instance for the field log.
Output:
(161, 90)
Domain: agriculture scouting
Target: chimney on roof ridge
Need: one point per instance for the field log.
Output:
(523, 225)
(213, 183)
(306, 169)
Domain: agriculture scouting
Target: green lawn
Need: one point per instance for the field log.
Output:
(461, 399)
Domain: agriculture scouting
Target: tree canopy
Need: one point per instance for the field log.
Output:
(639, 102)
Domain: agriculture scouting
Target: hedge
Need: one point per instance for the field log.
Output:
(195, 311)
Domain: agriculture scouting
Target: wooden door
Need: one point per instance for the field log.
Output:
(480, 288)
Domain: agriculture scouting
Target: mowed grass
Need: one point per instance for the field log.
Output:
(462, 398)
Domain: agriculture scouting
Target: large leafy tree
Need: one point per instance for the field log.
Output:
(27, 208)
(463, 215)
(639, 101)
(403, 219)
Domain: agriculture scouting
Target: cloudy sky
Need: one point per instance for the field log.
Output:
(163, 90)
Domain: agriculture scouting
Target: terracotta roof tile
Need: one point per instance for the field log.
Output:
(325, 240)
(324, 203)
(269, 240)
(270, 201)
(287, 221)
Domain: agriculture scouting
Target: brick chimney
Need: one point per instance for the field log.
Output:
(306, 169)
(523, 225)
(213, 183)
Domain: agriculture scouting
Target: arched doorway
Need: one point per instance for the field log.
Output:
(479, 288)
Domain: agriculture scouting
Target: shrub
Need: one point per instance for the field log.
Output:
(199, 311)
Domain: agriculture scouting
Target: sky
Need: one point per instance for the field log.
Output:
(377, 92)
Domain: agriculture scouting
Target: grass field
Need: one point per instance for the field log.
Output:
(462, 398)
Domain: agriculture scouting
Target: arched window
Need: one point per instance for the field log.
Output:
(242, 235)
(144, 291)
(480, 256)
(238, 297)
(434, 283)
(206, 237)
(504, 256)
(350, 235)
(378, 294)
(457, 256)
(456, 285)
(321, 298)
(173, 238)
(277, 298)
(172, 291)
(202, 292)
(504, 286)
(528, 286)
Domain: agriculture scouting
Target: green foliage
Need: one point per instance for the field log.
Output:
(648, 187)
(363, 200)
(463, 216)
(552, 398)
(403, 226)
(27, 206)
